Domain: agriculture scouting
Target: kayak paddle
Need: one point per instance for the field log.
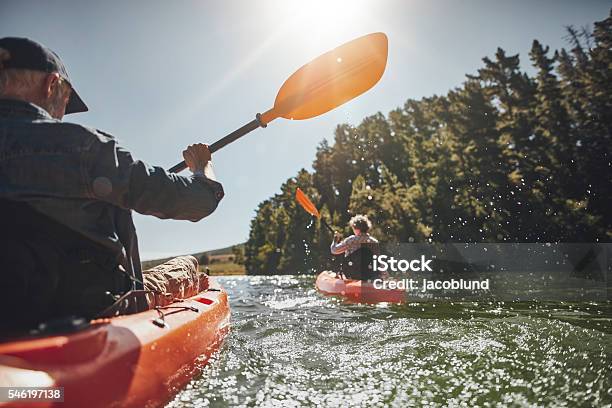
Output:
(323, 84)
(310, 208)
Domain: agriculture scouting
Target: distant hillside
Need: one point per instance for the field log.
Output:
(220, 251)
(221, 261)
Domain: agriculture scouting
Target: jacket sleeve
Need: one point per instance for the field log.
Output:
(116, 177)
(341, 247)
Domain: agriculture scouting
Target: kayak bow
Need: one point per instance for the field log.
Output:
(329, 283)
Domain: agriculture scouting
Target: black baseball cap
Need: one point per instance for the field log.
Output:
(24, 53)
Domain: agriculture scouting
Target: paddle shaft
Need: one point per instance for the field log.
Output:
(232, 137)
(327, 225)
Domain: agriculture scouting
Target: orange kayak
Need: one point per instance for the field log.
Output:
(329, 283)
(126, 361)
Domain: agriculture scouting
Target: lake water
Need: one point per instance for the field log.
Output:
(290, 346)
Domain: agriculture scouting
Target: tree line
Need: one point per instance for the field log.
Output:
(505, 157)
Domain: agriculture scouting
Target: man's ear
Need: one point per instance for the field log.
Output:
(51, 81)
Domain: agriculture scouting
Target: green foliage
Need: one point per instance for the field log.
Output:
(238, 252)
(506, 157)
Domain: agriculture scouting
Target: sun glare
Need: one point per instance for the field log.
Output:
(320, 23)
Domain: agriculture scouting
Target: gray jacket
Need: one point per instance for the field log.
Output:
(84, 179)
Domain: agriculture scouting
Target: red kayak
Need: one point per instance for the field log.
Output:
(139, 360)
(329, 283)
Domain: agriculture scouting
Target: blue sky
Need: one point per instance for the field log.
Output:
(162, 74)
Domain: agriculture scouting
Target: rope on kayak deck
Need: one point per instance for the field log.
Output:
(161, 320)
(121, 304)
(115, 308)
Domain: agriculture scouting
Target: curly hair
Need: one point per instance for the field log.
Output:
(361, 222)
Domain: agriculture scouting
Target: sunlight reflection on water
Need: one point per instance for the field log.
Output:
(291, 346)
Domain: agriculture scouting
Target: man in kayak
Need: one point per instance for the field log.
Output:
(357, 249)
(66, 195)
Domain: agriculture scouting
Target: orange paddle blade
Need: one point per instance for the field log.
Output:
(332, 79)
(306, 203)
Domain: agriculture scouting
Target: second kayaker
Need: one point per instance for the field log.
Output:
(66, 196)
(357, 248)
